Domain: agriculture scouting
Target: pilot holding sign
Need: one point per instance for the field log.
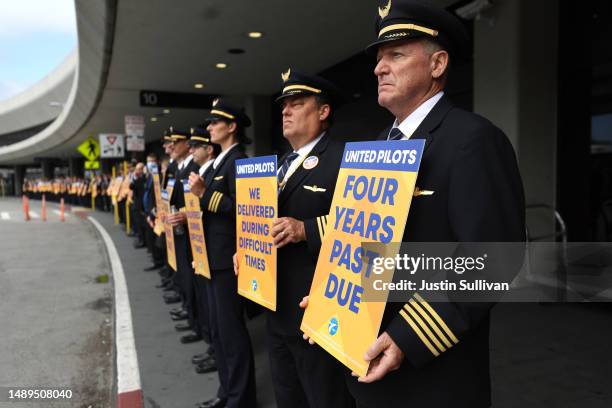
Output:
(437, 354)
(303, 376)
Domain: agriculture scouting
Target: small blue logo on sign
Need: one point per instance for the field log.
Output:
(254, 285)
(332, 327)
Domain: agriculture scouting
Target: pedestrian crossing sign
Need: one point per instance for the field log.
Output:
(92, 164)
(90, 149)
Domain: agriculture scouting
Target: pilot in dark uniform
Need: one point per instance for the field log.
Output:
(303, 375)
(436, 354)
(217, 192)
(204, 153)
(184, 270)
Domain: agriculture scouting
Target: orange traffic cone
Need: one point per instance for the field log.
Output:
(62, 217)
(25, 203)
(43, 211)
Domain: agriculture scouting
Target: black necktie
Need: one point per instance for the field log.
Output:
(286, 163)
(395, 134)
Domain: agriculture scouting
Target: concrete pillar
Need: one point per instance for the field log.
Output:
(19, 176)
(47, 166)
(75, 167)
(258, 108)
(515, 86)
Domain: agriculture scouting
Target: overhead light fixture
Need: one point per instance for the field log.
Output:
(166, 111)
(153, 119)
(198, 86)
(255, 34)
(221, 65)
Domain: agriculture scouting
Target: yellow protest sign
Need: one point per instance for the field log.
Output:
(256, 208)
(370, 204)
(124, 189)
(159, 226)
(90, 149)
(170, 250)
(196, 232)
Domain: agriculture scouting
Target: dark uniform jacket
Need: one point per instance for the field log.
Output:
(307, 197)
(218, 205)
(478, 197)
(170, 173)
(178, 196)
(138, 188)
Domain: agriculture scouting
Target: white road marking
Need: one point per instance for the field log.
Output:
(128, 374)
(34, 214)
(59, 213)
(5, 215)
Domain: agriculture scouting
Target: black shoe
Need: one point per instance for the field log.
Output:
(212, 403)
(190, 338)
(200, 358)
(178, 317)
(168, 287)
(165, 272)
(170, 294)
(172, 299)
(152, 267)
(205, 367)
(163, 283)
(181, 313)
(175, 310)
(182, 327)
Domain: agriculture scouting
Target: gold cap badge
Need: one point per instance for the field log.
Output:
(215, 102)
(286, 75)
(384, 11)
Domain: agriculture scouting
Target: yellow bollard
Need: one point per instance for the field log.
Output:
(114, 199)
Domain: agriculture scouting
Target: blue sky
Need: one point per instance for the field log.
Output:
(35, 37)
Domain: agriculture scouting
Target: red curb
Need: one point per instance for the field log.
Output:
(131, 399)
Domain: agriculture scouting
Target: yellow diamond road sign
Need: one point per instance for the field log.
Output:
(90, 149)
(92, 165)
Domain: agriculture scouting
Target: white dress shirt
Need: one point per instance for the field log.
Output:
(204, 167)
(185, 162)
(414, 120)
(303, 153)
(222, 155)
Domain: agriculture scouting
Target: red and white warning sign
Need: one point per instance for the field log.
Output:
(111, 145)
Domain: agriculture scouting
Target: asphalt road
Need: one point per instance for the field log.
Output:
(55, 320)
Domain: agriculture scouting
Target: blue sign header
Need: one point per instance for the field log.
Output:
(398, 155)
(264, 166)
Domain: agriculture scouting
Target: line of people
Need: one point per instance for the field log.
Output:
(427, 353)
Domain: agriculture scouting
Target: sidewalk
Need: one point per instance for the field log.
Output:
(167, 375)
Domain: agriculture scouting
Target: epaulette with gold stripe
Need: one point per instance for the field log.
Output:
(428, 325)
(215, 199)
(322, 225)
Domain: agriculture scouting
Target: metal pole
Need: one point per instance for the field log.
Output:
(127, 201)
